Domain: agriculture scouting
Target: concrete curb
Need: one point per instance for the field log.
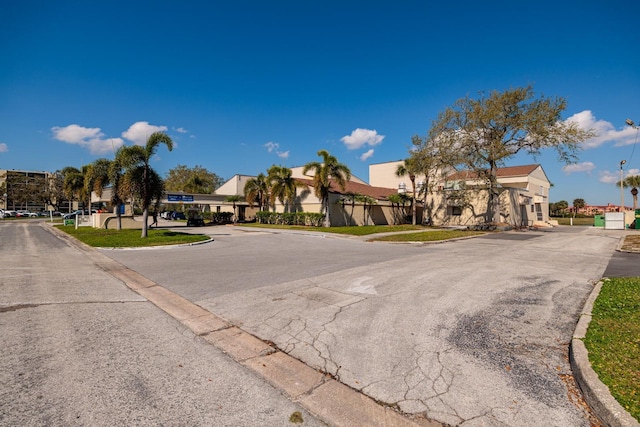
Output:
(327, 399)
(157, 247)
(596, 393)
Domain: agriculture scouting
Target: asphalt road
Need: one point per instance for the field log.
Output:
(472, 332)
(78, 348)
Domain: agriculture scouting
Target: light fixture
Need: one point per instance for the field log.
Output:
(621, 185)
(629, 122)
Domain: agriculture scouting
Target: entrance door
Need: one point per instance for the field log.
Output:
(539, 211)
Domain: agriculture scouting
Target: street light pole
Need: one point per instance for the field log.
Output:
(621, 190)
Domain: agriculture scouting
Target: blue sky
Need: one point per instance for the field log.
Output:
(243, 85)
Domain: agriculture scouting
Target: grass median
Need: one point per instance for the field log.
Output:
(613, 340)
(422, 233)
(363, 230)
(130, 238)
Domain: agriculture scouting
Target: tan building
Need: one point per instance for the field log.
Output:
(524, 198)
(461, 199)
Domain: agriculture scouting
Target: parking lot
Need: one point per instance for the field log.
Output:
(473, 331)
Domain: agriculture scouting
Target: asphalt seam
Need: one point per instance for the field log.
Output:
(324, 397)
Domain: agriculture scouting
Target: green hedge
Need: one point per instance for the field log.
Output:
(218, 217)
(291, 218)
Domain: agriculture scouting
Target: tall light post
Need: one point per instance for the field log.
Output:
(631, 123)
(621, 190)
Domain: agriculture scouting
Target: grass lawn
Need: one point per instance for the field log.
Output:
(423, 234)
(576, 221)
(99, 237)
(428, 236)
(363, 230)
(613, 340)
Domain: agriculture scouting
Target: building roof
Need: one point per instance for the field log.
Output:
(506, 172)
(378, 193)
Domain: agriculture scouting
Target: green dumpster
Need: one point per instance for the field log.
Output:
(598, 221)
(637, 219)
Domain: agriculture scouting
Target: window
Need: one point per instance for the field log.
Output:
(456, 210)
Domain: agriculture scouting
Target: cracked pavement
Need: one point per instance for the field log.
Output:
(470, 333)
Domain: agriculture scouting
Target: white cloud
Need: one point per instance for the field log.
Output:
(272, 146)
(366, 155)
(3, 147)
(579, 167)
(139, 132)
(75, 134)
(91, 138)
(606, 132)
(182, 130)
(614, 177)
(609, 177)
(362, 137)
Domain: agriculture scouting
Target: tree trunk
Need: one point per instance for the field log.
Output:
(413, 199)
(494, 195)
(327, 217)
(119, 216)
(145, 217)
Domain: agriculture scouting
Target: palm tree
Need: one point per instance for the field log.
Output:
(283, 186)
(366, 201)
(577, 205)
(233, 199)
(257, 190)
(410, 168)
(119, 193)
(97, 176)
(632, 181)
(139, 178)
(329, 169)
(73, 184)
(398, 199)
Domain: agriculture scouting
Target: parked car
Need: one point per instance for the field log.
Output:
(72, 215)
(178, 215)
(9, 214)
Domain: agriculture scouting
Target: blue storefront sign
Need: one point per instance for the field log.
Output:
(179, 198)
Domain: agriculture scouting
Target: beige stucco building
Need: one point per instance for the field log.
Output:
(524, 198)
(454, 199)
(460, 199)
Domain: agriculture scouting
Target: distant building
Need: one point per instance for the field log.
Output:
(590, 210)
(20, 189)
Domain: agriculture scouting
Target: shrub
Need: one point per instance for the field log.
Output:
(290, 218)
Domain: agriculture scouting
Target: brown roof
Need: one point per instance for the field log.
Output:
(378, 193)
(500, 173)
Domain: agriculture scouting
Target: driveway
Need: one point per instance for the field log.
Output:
(471, 332)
